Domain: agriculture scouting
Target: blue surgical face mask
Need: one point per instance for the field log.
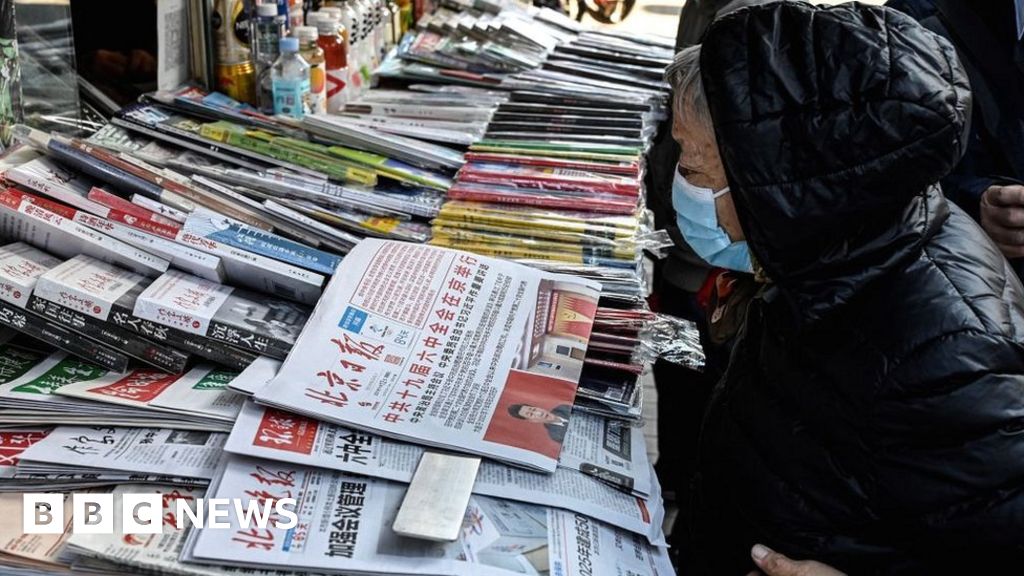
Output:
(698, 222)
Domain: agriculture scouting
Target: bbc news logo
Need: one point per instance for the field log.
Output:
(142, 513)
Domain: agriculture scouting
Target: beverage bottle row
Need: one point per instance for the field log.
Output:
(341, 44)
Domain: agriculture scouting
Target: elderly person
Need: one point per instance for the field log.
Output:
(872, 414)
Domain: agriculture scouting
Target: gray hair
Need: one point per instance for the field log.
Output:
(683, 76)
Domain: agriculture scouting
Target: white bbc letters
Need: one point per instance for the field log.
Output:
(140, 513)
(92, 513)
(42, 513)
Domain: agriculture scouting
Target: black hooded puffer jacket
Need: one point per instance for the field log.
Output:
(872, 416)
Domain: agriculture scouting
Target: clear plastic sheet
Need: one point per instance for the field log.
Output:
(674, 340)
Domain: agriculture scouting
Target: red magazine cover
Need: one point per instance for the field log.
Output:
(608, 204)
(548, 178)
(621, 168)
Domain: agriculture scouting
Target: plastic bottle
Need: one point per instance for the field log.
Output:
(236, 74)
(405, 9)
(268, 27)
(311, 52)
(290, 75)
(396, 20)
(380, 30)
(295, 14)
(350, 18)
(331, 42)
(367, 62)
(312, 17)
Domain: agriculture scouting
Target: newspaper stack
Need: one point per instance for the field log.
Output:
(29, 554)
(122, 454)
(63, 389)
(602, 472)
(386, 366)
(556, 178)
(346, 529)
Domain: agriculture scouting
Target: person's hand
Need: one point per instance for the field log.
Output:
(772, 563)
(1002, 216)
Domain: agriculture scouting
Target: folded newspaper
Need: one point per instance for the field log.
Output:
(444, 348)
(71, 449)
(59, 389)
(344, 526)
(275, 435)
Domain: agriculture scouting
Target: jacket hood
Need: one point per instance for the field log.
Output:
(833, 124)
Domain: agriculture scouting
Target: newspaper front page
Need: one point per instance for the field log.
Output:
(284, 437)
(186, 453)
(344, 526)
(444, 348)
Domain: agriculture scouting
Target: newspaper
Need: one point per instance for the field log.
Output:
(154, 552)
(246, 320)
(444, 348)
(202, 392)
(187, 453)
(607, 449)
(580, 545)
(68, 186)
(13, 443)
(140, 397)
(275, 435)
(255, 376)
(344, 525)
(44, 552)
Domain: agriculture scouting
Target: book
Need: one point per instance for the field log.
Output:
(277, 224)
(21, 266)
(23, 220)
(88, 286)
(63, 338)
(337, 129)
(623, 168)
(395, 169)
(158, 208)
(604, 203)
(288, 152)
(183, 257)
(169, 126)
(548, 178)
(257, 272)
(136, 215)
(230, 315)
(159, 356)
(50, 178)
(112, 215)
(216, 227)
